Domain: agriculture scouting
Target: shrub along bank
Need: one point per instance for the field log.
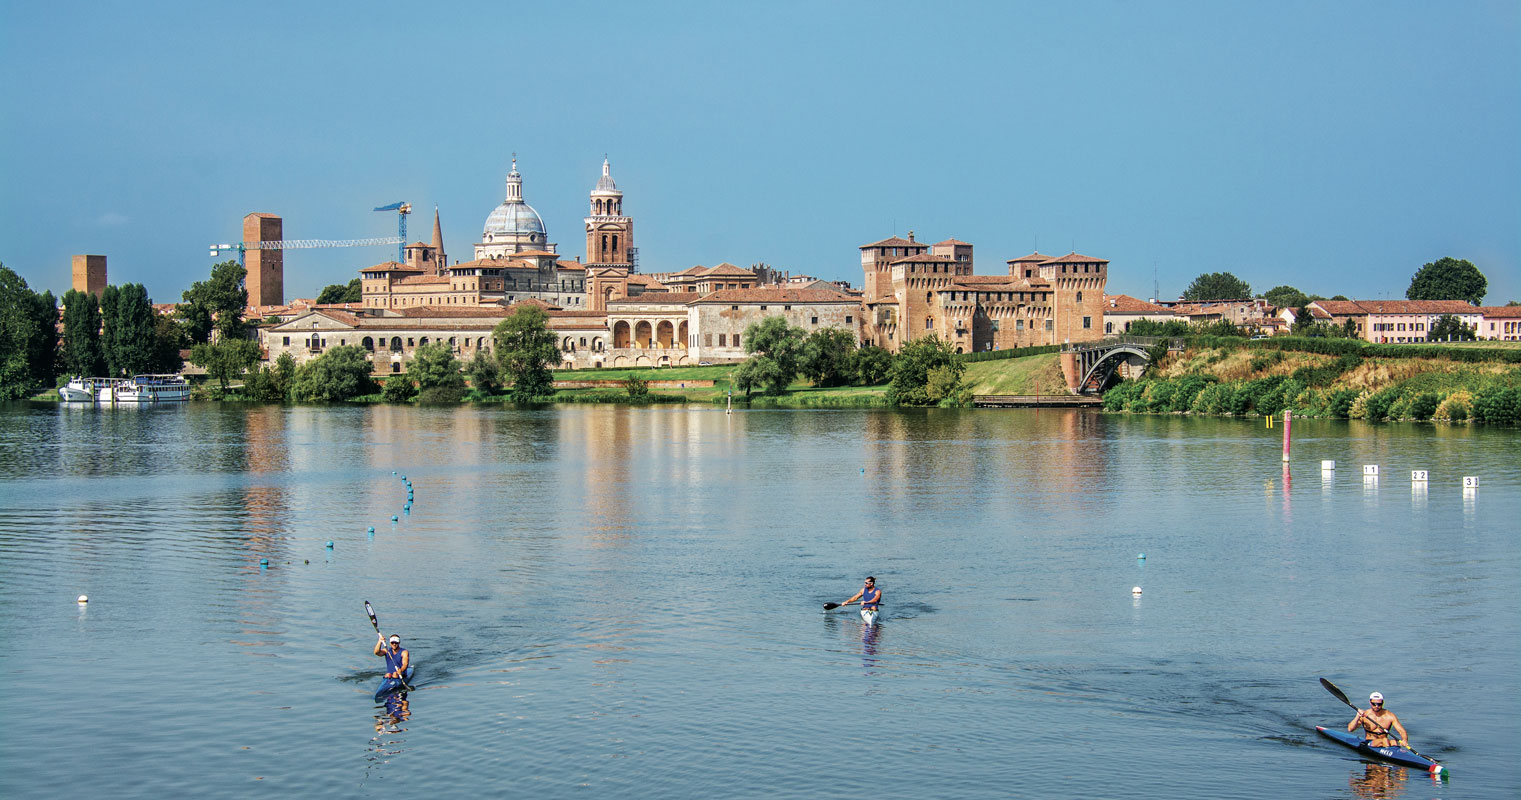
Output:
(1329, 378)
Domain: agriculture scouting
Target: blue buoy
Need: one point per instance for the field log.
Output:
(329, 545)
(393, 472)
(863, 470)
(393, 518)
(402, 477)
(1141, 557)
(372, 529)
(263, 562)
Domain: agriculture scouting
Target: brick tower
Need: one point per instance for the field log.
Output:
(609, 234)
(90, 274)
(266, 268)
(1079, 282)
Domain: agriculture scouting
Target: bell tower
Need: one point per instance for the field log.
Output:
(609, 234)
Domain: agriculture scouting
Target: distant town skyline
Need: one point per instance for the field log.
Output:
(1335, 148)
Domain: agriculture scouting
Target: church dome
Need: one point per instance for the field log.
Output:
(605, 185)
(514, 218)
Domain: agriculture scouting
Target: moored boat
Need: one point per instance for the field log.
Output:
(81, 389)
(148, 389)
(1403, 756)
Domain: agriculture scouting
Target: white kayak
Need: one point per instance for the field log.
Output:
(871, 615)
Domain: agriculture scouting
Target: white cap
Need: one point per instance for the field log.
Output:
(395, 638)
(1376, 698)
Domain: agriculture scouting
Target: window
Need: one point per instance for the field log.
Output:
(786, 308)
(1050, 325)
(287, 341)
(929, 323)
(1019, 324)
(736, 340)
(814, 321)
(1087, 322)
(1079, 297)
(707, 340)
(395, 366)
(763, 308)
(722, 340)
(733, 308)
(409, 341)
(848, 319)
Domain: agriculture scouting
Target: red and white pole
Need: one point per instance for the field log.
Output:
(1287, 417)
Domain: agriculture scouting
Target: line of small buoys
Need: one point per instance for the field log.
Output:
(328, 545)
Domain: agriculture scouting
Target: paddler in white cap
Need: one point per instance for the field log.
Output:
(398, 660)
(1378, 721)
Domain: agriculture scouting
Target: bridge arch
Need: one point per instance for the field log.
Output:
(1100, 373)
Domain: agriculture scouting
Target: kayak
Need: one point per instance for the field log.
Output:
(1403, 756)
(391, 685)
(870, 615)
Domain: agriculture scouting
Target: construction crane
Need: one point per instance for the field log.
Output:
(400, 239)
(402, 210)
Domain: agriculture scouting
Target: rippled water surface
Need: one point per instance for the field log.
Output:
(626, 602)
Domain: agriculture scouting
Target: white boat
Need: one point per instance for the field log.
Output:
(150, 389)
(871, 615)
(82, 390)
(137, 389)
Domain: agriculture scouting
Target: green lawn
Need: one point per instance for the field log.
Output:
(1040, 374)
(713, 373)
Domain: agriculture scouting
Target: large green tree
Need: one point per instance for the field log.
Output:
(1217, 286)
(21, 333)
(526, 349)
(1449, 328)
(1448, 279)
(216, 303)
(131, 331)
(110, 298)
(828, 357)
(272, 382)
(340, 293)
(438, 375)
(910, 383)
(168, 340)
(775, 350)
(338, 374)
(485, 375)
(872, 365)
(82, 352)
(1286, 297)
(225, 359)
(43, 352)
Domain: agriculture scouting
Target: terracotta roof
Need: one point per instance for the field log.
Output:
(573, 266)
(1030, 257)
(986, 280)
(563, 323)
(894, 241)
(729, 269)
(1357, 307)
(1074, 258)
(419, 244)
(1500, 312)
(775, 294)
(1125, 304)
(533, 253)
(952, 241)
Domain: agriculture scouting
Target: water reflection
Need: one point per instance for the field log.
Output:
(1378, 781)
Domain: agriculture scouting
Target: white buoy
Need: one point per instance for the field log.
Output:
(1470, 482)
(1419, 475)
(84, 598)
(1370, 469)
(1135, 590)
(1328, 466)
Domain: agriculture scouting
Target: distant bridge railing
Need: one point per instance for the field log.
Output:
(1110, 342)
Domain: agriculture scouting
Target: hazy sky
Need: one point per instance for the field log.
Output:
(1333, 146)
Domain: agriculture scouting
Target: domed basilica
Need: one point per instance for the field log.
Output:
(513, 226)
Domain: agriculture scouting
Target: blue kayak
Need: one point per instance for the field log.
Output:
(391, 685)
(1403, 756)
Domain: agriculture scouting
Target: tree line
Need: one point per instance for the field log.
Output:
(1443, 279)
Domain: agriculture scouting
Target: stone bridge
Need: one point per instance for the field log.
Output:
(1090, 367)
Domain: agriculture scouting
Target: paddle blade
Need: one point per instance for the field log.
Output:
(371, 612)
(1337, 693)
(831, 606)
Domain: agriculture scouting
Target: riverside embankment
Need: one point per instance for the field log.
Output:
(1336, 379)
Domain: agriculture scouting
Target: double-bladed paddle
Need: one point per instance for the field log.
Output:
(1342, 696)
(368, 609)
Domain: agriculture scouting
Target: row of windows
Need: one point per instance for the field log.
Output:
(707, 340)
(1398, 326)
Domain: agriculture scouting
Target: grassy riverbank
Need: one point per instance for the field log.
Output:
(1362, 382)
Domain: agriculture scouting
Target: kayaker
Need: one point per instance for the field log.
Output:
(1378, 721)
(397, 659)
(870, 596)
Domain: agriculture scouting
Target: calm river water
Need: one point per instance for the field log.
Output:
(617, 602)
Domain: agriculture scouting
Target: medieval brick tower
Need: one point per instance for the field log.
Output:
(90, 274)
(609, 234)
(266, 268)
(1079, 297)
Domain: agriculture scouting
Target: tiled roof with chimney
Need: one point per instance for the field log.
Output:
(1125, 304)
(1035, 257)
(895, 241)
(1075, 258)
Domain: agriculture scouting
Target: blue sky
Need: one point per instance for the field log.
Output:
(1335, 147)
